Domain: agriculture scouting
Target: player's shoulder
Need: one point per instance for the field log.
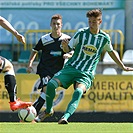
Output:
(63, 36)
(103, 33)
(46, 38)
(83, 29)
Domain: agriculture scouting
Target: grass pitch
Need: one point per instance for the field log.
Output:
(7, 127)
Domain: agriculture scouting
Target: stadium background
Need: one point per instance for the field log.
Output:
(110, 98)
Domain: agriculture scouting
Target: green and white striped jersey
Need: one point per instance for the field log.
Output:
(88, 48)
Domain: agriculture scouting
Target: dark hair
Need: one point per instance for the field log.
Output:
(94, 13)
(56, 16)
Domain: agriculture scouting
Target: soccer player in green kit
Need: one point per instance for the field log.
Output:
(88, 43)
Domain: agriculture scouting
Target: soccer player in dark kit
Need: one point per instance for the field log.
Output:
(52, 57)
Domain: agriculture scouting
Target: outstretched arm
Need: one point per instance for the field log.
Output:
(119, 62)
(6, 25)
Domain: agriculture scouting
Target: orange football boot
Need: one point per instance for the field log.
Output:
(19, 105)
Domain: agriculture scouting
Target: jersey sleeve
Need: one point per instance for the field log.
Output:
(108, 46)
(38, 46)
(74, 40)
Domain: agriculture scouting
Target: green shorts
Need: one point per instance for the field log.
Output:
(69, 75)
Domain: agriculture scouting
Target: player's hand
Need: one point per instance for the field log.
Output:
(29, 69)
(127, 68)
(20, 38)
(66, 56)
(65, 45)
(65, 42)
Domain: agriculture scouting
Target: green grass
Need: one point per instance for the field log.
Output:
(7, 127)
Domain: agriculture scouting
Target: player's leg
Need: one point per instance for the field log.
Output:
(10, 85)
(50, 94)
(72, 106)
(42, 98)
(38, 104)
(80, 86)
(61, 78)
(9, 79)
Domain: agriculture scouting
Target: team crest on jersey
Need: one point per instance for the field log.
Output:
(89, 50)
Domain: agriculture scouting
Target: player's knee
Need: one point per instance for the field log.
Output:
(79, 92)
(52, 84)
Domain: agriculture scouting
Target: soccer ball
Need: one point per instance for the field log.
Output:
(27, 114)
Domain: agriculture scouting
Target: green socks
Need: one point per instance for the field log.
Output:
(72, 106)
(50, 94)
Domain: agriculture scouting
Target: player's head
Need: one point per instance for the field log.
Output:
(56, 17)
(94, 13)
(56, 22)
(94, 18)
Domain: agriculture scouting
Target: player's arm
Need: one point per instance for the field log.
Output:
(6, 25)
(65, 46)
(109, 48)
(70, 45)
(68, 55)
(31, 60)
(33, 55)
(119, 62)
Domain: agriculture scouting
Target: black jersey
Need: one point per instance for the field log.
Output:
(51, 60)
